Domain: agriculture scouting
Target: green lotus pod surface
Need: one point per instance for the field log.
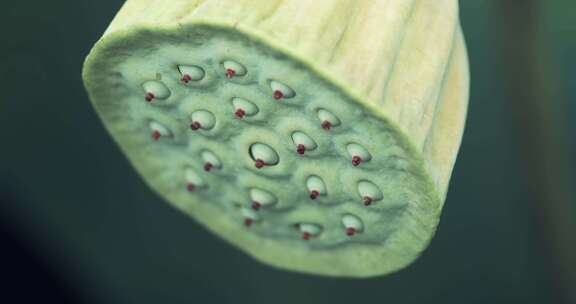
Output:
(317, 136)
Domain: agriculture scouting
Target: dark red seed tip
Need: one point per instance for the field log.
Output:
(149, 97)
(230, 73)
(208, 166)
(256, 206)
(326, 125)
(356, 160)
(156, 135)
(240, 113)
(278, 95)
(301, 149)
(314, 194)
(367, 201)
(248, 222)
(350, 231)
(195, 125)
(190, 187)
(186, 78)
(259, 163)
(306, 236)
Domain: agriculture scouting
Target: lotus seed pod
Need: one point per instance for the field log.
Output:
(341, 119)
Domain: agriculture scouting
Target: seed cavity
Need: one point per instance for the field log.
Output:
(303, 142)
(193, 180)
(202, 119)
(244, 107)
(211, 161)
(159, 130)
(250, 216)
(191, 73)
(261, 198)
(281, 90)
(352, 224)
(316, 186)
(154, 89)
(263, 155)
(309, 230)
(233, 69)
(369, 192)
(358, 154)
(327, 119)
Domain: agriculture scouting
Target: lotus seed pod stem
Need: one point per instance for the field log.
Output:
(316, 136)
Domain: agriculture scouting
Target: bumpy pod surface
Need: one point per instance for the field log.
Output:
(317, 136)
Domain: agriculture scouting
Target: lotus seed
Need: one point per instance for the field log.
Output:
(328, 120)
(261, 198)
(159, 130)
(316, 186)
(244, 107)
(301, 108)
(358, 154)
(202, 120)
(281, 90)
(249, 216)
(369, 192)
(263, 155)
(233, 69)
(191, 73)
(210, 161)
(193, 180)
(309, 230)
(155, 89)
(352, 224)
(303, 142)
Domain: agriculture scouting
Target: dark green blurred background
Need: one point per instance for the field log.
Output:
(78, 225)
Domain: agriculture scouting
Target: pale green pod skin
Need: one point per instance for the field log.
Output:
(392, 73)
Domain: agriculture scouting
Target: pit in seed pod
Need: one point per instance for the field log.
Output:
(202, 119)
(352, 224)
(303, 142)
(281, 90)
(316, 186)
(327, 119)
(159, 130)
(369, 192)
(194, 181)
(233, 69)
(261, 198)
(358, 154)
(211, 161)
(155, 90)
(244, 108)
(263, 155)
(191, 73)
